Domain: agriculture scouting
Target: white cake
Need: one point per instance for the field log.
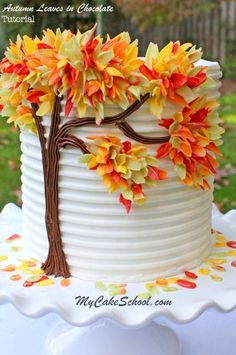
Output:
(170, 233)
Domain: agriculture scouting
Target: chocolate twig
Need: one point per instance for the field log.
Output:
(73, 141)
(131, 133)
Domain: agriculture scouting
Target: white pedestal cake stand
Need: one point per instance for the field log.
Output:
(100, 323)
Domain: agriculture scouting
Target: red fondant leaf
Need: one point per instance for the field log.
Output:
(13, 237)
(126, 146)
(115, 176)
(153, 173)
(190, 166)
(8, 69)
(99, 96)
(20, 69)
(178, 80)
(156, 174)
(126, 203)
(33, 96)
(44, 46)
(28, 284)
(200, 115)
(163, 150)
(166, 122)
(231, 244)
(191, 275)
(68, 107)
(72, 75)
(198, 150)
(212, 147)
(186, 283)
(162, 174)
(194, 81)
(146, 72)
(176, 46)
(208, 161)
(137, 189)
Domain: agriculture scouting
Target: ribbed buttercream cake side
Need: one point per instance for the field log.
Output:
(168, 234)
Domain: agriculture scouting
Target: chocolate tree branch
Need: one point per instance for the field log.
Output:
(73, 141)
(75, 123)
(119, 119)
(131, 133)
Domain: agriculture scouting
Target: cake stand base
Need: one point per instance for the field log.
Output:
(106, 337)
(82, 303)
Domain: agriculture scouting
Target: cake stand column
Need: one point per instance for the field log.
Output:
(106, 338)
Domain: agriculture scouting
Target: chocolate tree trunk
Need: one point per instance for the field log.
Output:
(56, 260)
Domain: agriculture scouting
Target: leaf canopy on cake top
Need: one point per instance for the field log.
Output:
(84, 68)
(88, 72)
(172, 75)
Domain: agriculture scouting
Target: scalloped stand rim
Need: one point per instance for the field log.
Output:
(109, 338)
